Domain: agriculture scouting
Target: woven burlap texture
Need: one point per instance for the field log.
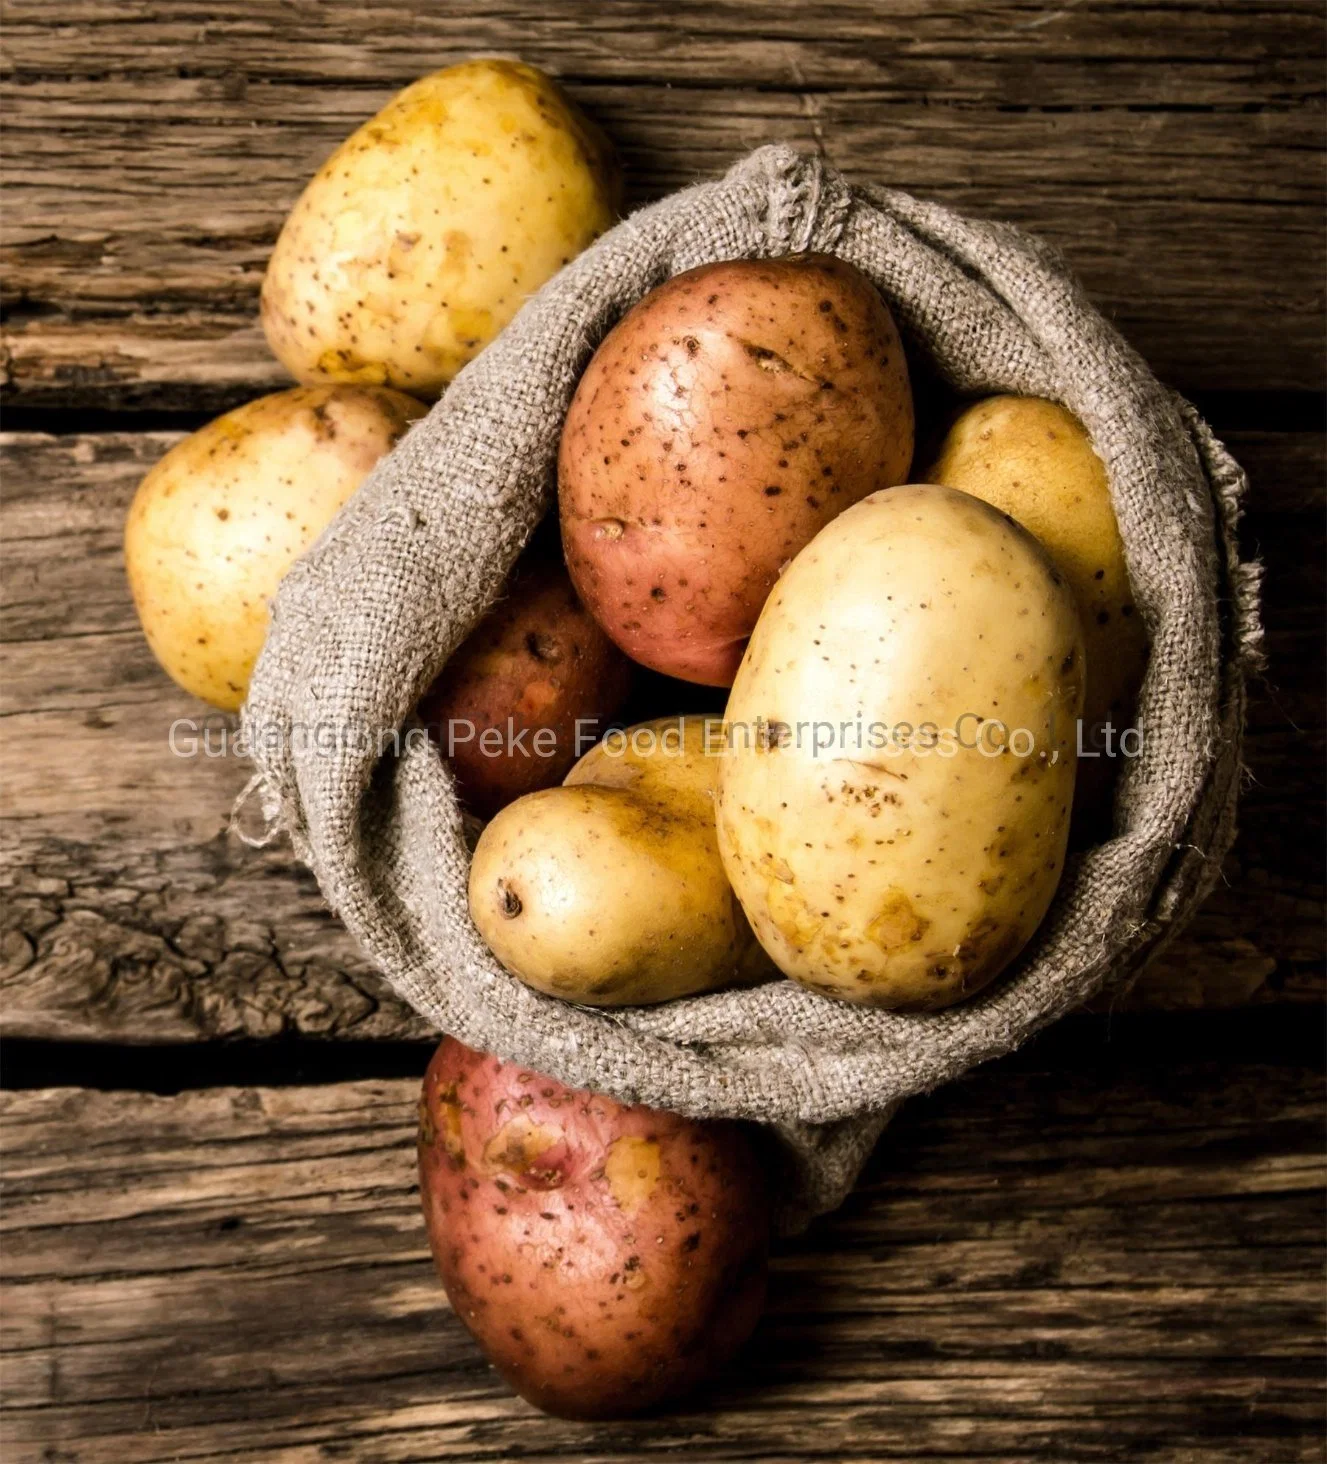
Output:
(364, 622)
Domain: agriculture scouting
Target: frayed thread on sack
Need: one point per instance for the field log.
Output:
(273, 822)
(1246, 582)
(810, 208)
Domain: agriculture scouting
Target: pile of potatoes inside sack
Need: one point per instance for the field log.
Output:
(781, 695)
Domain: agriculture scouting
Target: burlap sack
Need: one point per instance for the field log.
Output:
(366, 620)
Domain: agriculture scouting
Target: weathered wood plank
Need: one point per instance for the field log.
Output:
(1117, 1257)
(130, 915)
(1087, 53)
(152, 152)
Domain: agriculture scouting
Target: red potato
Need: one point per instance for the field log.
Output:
(605, 1258)
(535, 675)
(722, 423)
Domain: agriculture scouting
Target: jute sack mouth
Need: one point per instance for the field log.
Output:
(364, 622)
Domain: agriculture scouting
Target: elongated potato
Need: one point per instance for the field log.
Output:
(605, 1257)
(894, 803)
(1033, 460)
(220, 519)
(423, 234)
(609, 890)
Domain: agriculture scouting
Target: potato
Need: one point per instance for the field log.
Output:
(1033, 460)
(423, 233)
(727, 418)
(609, 890)
(605, 1258)
(894, 802)
(534, 683)
(221, 518)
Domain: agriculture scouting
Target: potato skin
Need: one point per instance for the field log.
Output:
(537, 663)
(1032, 460)
(885, 871)
(219, 520)
(422, 235)
(609, 890)
(605, 1258)
(721, 424)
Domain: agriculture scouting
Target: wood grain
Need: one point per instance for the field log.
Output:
(152, 152)
(1115, 1257)
(130, 915)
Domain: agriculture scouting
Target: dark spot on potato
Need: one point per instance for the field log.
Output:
(543, 647)
(509, 902)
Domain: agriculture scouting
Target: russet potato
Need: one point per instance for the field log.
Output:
(421, 236)
(894, 802)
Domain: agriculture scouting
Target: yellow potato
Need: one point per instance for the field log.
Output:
(609, 890)
(421, 236)
(218, 521)
(894, 802)
(1033, 460)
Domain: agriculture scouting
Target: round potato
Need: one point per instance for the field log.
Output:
(221, 518)
(605, 1258)
(535, 682)
(894, 802)
(421, 236)
(1033, 460)
(722, 423)
(609, 890)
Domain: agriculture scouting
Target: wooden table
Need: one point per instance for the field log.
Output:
(1106, 1247)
